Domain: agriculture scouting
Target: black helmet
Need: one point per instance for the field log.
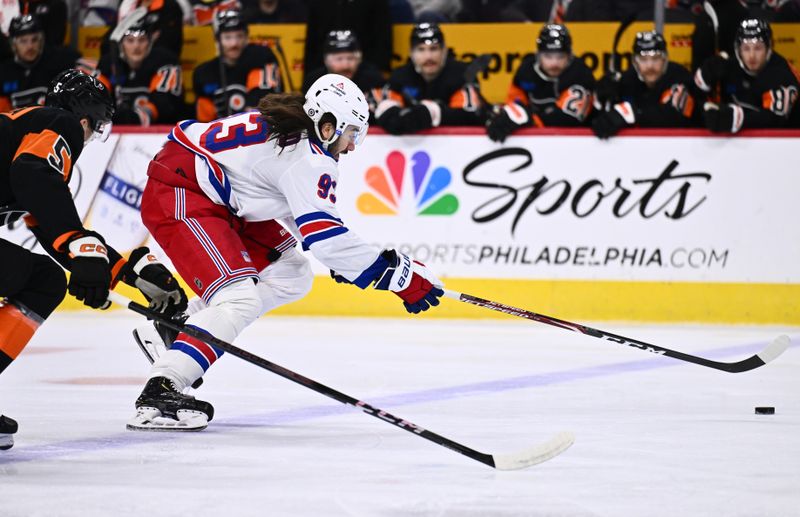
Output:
(753, 28)
(143, 27)
(24, 24)
(82, 95)
(554, 38)
(229, 20)
(341, 41)
(427, 34)
(649, 42)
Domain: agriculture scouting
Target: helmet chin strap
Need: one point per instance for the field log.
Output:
(325, 143)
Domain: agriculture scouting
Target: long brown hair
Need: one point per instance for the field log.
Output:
(287, 119)
(284, 114)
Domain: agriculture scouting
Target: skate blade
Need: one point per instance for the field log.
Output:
(150, 419)
(6, 442)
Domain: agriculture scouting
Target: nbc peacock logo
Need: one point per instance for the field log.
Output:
(386, 195)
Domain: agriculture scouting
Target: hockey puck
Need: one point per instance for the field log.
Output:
(765, 410)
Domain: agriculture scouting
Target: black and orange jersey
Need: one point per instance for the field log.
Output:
(38, 150)
(565, 100)
(154, 90)
(768, 98)
(254, 75)
(669, 103)
(461, 102)
(22, 86)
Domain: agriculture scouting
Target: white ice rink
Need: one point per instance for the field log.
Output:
(654, 436)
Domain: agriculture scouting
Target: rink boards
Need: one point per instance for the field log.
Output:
(650, 226)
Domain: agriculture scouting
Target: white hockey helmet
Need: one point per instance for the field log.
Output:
(339, 96)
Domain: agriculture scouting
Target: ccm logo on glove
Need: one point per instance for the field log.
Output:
(92, 248)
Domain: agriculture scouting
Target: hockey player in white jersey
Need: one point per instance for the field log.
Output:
(214, 194)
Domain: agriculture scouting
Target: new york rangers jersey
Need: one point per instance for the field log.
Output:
(258, 178)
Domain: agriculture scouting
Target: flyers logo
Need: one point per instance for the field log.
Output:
(60, 157)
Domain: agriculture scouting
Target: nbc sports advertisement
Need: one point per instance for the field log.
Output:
(555, 207)
(639, 227)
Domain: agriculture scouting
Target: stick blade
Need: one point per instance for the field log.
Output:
(535, 455)
(775, 348)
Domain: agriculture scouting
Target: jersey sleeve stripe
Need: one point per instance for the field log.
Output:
(312, 227)
(318, 226)
(316, 216)
(312, 238)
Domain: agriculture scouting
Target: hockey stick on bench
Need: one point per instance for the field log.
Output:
(538, 454)
(773, 350)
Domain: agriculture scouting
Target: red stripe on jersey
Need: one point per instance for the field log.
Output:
(317, 226)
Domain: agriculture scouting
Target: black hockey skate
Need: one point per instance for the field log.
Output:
(161, 407)
(8, 426)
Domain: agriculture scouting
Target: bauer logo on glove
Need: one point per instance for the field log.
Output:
(411, 281)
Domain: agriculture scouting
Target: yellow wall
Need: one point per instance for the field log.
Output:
(566, 299)
(508, 43)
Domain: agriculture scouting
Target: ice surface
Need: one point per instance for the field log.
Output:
(654, 436)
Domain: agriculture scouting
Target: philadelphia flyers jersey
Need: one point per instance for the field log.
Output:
(460, 101)
(155, 87)
(565, 100)
(38, 148)
(768, 98)
(669, 103)
(22, 86)
(254, 75)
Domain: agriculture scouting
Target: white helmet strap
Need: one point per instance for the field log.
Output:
(334, 136)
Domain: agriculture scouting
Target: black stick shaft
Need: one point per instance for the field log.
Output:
(739, 366)
(378, 413)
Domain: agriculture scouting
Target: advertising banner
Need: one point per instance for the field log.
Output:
(635, 208)
(641, 227)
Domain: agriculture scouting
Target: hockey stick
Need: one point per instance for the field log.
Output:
(289, 81)
(623, 26)
(773, 350)
(223, 75)
(115, 41)
(520, 460)
(712, 14)
(613, 68)
(475, 67)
